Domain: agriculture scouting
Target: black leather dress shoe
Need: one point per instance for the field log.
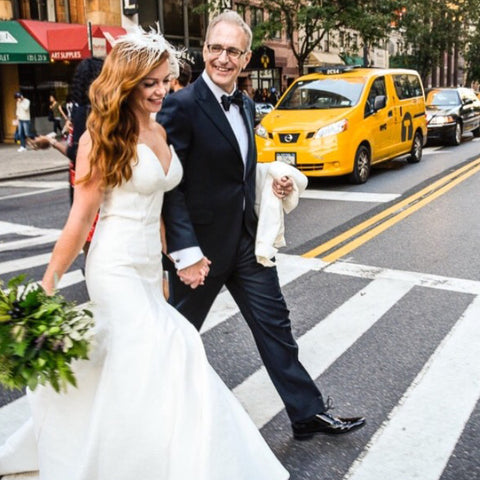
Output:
(326, 424)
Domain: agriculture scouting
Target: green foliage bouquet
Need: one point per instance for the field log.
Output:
(40, 335)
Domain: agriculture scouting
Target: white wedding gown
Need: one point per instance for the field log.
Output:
(148, 404)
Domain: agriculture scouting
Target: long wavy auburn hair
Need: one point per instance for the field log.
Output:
(112, 125)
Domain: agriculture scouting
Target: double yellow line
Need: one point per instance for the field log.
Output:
(365, 231)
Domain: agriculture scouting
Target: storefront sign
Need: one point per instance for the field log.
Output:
(66, 55)
(7, 37)
(130, 7)
(99, 47)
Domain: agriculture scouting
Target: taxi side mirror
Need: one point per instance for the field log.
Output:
(380, 102)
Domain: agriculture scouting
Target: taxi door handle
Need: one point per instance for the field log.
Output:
(390, 113)
(383, 126)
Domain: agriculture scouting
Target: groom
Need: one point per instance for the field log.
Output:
(210, 215)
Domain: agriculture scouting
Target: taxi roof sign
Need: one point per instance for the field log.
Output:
(335, 69)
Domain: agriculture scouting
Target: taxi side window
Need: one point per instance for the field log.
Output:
(377, 88)
(407, 86)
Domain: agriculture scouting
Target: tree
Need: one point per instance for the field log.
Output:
(472, 56)
(432, 27)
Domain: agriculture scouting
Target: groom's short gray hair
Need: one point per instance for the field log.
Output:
(229, 16)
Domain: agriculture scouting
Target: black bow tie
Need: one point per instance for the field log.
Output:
(236, 98)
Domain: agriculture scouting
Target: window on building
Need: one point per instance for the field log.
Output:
(257, 16)
(147, 12)
(174, 14)
(241, 9)
(196, 23)
(173, 17)
(33, 9)
(275, 17)
(326, 42)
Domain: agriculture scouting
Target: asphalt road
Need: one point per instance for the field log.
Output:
(387, 317)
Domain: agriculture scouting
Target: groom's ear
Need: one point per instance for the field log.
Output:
(248, 56)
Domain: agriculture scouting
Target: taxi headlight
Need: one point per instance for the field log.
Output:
(332, 129)
(442, 120)
(261, 131)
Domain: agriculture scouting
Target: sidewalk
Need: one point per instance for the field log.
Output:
(15, 164)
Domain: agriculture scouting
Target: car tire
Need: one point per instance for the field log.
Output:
(361, 166)
(456, 136)
(476, 132)
(417, 149)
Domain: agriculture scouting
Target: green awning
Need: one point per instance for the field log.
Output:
(353, 60)
(17, 46)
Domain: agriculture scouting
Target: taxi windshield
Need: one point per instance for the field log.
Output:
(322, 94)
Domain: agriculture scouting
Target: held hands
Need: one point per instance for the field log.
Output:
(195, 274)
(282, 187)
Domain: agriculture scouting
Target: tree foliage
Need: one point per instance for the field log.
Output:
(431, 27)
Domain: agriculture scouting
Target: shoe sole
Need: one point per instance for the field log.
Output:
(308, 436)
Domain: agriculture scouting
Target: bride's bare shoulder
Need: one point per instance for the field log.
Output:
(160, 130)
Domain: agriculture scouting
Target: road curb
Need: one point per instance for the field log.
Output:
(34, 173)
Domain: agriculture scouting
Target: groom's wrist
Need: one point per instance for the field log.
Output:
(186, 257)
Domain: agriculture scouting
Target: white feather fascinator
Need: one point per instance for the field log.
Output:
(150, 43)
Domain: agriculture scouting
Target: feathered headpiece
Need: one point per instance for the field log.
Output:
(152, 43)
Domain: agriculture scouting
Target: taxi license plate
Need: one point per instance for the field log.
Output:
(287, 157)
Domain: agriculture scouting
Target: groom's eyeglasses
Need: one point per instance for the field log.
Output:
(232, 52)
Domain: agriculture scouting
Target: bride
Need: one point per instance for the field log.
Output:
(148, 405)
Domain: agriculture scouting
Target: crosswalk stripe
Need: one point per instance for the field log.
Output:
(27, 230)
(421, 279)
(35, 184)
(349, 196)
(336, 333)
(29, 242)
(433, 412)
(40, 236)
(20, 264)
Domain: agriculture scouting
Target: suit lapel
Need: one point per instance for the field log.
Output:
(247, 118)
(208, 103)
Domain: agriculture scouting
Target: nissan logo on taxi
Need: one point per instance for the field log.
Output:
(288, 138)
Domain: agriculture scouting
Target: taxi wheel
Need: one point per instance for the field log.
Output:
(361, 166)
(416, 151)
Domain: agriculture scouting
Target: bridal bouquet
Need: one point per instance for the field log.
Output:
(40, 335)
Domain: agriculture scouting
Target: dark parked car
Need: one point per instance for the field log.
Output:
(451, 112)
(261, 109)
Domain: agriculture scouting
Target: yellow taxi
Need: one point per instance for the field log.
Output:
(343, 120)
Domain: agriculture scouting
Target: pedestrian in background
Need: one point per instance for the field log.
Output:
(23, 120)
(85, 73)
(183, 78)
(56, 114)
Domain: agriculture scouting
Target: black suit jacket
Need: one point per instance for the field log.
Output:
(217, 194)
